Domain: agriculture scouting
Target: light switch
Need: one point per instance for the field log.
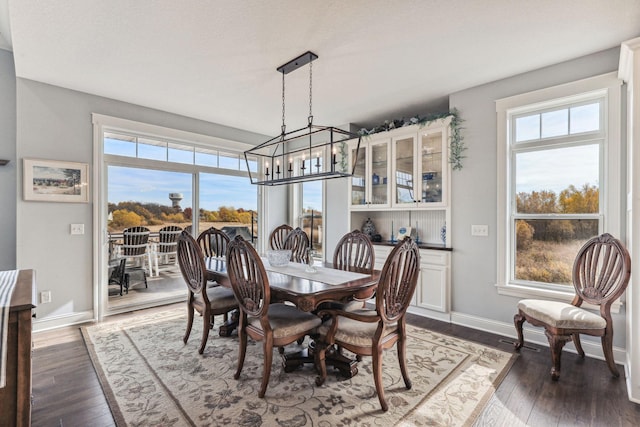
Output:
(77, 228)
(479, 230)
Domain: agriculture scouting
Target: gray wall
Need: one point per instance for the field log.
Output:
(55, 123)
(474, 199)
(8, 173)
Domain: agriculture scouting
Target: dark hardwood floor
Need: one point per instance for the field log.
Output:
(66, 391)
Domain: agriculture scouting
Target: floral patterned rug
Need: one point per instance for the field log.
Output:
(151, 378)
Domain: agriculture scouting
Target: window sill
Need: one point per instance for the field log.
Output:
(520, 291)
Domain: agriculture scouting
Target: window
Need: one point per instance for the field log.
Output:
(309, 212)
(559, 185)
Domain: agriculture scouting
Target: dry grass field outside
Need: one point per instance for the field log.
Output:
(547, 262)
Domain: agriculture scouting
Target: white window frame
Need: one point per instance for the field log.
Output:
(611, 171)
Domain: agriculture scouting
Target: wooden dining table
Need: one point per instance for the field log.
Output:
(307, 291)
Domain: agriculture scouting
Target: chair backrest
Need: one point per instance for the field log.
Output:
(354, 250)
(398, 280)
(168, 239)
(298, 242)
(248, 278)
(213, 242)
(134, 241)
(601, 272)
(279, 235)
(191, 262)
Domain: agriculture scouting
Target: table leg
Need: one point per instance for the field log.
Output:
(227, 328)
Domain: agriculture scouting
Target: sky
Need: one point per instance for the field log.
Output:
(154, 186)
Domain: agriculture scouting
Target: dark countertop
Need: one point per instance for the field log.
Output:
(431, 246)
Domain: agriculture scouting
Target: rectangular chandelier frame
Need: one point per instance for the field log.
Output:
(307, 154)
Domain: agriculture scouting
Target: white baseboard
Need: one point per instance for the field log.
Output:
(533, 335)
(54, 322)
(444, 317)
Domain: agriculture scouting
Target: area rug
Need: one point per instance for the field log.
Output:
(151, 378)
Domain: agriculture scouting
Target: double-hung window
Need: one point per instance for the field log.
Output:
(559, 184)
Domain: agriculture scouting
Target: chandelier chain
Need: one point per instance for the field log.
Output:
(310, 92)
(284, 126)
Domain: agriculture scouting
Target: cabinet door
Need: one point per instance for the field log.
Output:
(379, 173)
(369, 184)
(433, 170)
(432, 289)
(404, 171)
(357, 180)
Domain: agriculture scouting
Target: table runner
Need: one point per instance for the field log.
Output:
(330, 276)
(8, 281)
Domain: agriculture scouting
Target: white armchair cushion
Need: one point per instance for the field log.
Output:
(561, 315)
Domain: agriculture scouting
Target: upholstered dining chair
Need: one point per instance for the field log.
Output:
(275, 324)
(213, 242)
(354, 250)
(279, 235)
(370, 332)
(168, 242)
(601, 273)
(207, 301)
(298, 242)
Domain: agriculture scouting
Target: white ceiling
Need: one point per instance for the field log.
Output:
(378, 59)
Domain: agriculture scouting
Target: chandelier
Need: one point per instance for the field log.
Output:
(310, 153)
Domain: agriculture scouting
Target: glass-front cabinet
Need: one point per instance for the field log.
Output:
(419, 168)
(370, 181)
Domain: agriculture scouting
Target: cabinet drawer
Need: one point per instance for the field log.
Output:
(434, 257)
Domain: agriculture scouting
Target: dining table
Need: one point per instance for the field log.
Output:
(308, 289)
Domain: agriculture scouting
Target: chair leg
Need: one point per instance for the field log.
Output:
(577, 344)
(607, 349)
(268, 360)
(319, 359)
(206, 326)
(518, 320)
(377, 377)
(189, 323)
(555, 344)
(402, 358)
(242, 346)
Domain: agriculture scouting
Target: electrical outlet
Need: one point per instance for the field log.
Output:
(45, 297)
(479, 230)
(77, 228)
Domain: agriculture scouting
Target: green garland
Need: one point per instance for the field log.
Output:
(456, 147)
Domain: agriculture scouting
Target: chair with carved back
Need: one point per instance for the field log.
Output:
(275, 324)
(370, 332)
(207, 301)
(298, 242)
(168, 242)
(601, 273)
(213, 242)
(135, 245)
(279, 235)
(354, 250)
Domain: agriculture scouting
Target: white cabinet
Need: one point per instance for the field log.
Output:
(369, 185)
(432, 295)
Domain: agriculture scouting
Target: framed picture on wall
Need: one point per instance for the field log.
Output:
(55, 181)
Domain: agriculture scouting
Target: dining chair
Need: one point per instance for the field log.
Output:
(213, 242)
(601, 273)
(298, 242)
(135, 245)
(167, 245)
(278, 236)
(207, 301)
(370, 332)
(354, 250)
(275, 324)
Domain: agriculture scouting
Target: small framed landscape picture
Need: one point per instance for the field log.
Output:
(56, 181)
(404, 231)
